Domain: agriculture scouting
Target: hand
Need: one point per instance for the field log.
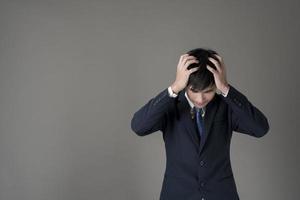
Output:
(182, 74)
(219, 74)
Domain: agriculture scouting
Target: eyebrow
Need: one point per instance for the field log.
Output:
(211, 89)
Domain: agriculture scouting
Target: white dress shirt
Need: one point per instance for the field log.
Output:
(191, 103)
(172, 94)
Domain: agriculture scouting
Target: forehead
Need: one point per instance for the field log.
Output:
(210, 88)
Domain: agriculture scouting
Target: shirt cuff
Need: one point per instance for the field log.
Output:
(225, 94)
(171, 93)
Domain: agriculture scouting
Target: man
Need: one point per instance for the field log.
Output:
(197, 126)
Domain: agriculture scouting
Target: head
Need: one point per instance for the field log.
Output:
(201, 87)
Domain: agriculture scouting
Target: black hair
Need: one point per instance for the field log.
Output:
(202, 78)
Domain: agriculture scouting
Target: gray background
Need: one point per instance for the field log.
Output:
(72, 73)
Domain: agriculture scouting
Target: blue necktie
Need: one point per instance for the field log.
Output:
(200, 122)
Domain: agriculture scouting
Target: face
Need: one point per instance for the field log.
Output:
(201, 98)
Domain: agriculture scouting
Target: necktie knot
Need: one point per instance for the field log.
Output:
(199, 111)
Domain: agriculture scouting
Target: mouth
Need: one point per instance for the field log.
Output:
(201, 105)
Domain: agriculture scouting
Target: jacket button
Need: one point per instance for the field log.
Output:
(201, 162)
(202, 184)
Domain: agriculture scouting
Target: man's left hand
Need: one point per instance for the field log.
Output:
(219, 74)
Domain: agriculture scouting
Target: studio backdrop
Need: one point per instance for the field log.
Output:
(73, 72)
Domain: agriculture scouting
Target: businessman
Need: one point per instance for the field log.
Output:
(197, 123)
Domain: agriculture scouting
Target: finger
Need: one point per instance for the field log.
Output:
(219, 57)
(212, 70)
(182, 60)
(216, 63)
(185, 60)
(221, 62)
(181, 57)
(188, 57)
(188, 63)
(193, 70)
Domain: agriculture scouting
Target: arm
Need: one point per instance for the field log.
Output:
(152, 116)
(246, 118)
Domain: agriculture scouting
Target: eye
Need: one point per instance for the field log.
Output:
(208, 91)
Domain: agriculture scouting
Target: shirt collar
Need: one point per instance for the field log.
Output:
(190, 102)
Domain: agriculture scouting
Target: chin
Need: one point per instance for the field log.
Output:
(201, 105)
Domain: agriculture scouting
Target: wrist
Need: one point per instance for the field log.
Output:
(224, 89)
(175, 89)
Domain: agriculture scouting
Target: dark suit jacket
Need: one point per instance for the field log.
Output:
(199, 170)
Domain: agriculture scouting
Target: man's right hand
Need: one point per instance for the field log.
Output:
(182, 74)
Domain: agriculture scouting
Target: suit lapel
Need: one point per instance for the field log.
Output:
(210, 112)
(184, 112)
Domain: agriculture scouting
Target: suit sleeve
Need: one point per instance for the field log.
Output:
(246, 118)
(152, 116)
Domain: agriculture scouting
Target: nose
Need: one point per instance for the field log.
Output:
(201, 99)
